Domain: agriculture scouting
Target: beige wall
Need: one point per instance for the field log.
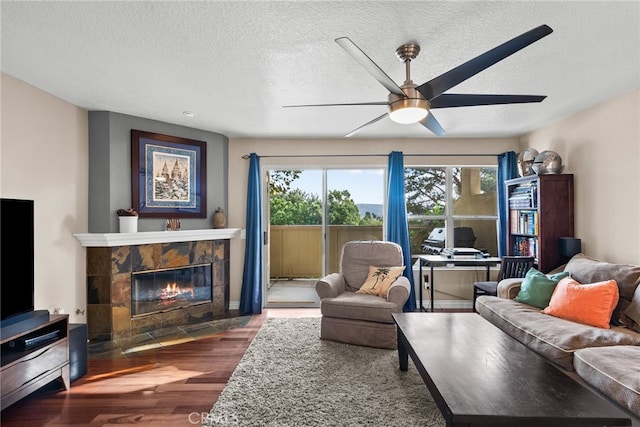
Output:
(371, 152)
(601, 146)
(43, 151)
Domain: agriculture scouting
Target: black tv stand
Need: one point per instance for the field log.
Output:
(23, 322)
(27, 368)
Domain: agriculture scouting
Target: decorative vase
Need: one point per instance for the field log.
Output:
(128, 224)
(219, 218)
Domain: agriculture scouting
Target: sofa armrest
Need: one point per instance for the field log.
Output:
(399, 291)
(330, 286)
(508, 288)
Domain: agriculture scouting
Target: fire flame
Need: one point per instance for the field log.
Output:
(173, 290)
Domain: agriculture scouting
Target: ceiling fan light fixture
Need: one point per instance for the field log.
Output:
(408, 110)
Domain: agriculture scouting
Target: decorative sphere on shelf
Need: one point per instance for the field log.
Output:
(547, 162)
(525, 161)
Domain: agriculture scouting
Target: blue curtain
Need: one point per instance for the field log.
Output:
(397, 227)
(507, 169)
(251, 293)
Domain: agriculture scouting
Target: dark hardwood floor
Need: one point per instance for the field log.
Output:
(169, 386)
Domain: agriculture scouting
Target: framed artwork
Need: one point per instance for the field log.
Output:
(168, 176)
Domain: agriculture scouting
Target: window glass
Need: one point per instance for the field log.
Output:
(474, 191)
(425, 191)
(451, 206)
(477, 233)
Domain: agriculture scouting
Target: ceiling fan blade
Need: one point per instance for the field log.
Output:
(432, 124)
(368, 64)
(448, 100)
(353, 132)
(338, 105)
(451, 78)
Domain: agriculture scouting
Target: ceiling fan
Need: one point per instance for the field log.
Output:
(411, 103)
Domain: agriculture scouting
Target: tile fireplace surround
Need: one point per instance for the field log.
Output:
(112, 257)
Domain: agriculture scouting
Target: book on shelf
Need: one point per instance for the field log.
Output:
(525, 246)
(524, 222)
(524, 196)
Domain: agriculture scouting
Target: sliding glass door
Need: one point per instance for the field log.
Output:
(355, 209)
(311, 214)
(295, 237)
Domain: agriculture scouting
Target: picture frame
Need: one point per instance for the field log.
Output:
(168, 176)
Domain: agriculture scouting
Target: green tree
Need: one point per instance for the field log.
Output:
(370, 219)
(280, 181)
(488, 179)
(425, 190)
(342, 208)
(295, 207)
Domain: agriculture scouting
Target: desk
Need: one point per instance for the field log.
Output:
(457, 261)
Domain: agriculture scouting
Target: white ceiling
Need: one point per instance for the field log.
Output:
(234, 64)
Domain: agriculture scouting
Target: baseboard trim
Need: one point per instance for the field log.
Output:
(446, 304)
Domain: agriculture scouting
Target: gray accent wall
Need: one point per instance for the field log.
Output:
(110, 170)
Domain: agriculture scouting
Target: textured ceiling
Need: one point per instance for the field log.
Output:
(234, 64)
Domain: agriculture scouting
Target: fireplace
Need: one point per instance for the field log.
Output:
(130, 287)
(170, 289)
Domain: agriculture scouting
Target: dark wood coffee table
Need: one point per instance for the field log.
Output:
(479, 375)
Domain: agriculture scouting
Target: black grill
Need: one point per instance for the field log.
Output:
(434, 244)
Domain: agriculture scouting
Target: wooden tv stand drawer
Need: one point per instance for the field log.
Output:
(34, 365)
(27, 368)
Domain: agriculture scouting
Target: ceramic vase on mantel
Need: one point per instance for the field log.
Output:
(128, 224)
(219, 218)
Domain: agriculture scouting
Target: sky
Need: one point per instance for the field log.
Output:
(365, 185)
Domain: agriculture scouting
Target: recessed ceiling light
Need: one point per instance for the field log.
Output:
(188, 113)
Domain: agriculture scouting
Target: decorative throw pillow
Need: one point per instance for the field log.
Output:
(590, 304)
(633, 312)
(380, 280)
(536, 288)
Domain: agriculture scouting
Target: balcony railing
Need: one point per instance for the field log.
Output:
(296, 250)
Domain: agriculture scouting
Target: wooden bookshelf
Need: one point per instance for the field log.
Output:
(540, 211)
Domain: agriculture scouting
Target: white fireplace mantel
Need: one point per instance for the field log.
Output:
(146, 237)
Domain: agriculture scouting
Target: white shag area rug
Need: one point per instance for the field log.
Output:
(290, 377)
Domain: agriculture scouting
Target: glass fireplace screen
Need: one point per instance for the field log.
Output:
(163, 290)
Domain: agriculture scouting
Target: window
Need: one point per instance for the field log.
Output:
(452, 206)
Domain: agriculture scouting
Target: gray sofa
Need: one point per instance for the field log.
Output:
(606, 359)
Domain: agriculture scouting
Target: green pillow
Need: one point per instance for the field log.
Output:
(536, 288)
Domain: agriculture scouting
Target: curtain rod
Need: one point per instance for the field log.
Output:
(246, 156)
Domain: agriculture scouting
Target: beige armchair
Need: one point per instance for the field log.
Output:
(359, 318)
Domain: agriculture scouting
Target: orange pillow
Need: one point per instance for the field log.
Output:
(591, 304)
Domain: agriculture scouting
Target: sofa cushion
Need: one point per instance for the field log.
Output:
(536, 288)
(590, 304)
(615, 371)
(359, 332)
(379, 280)
(631, 316)
(357, 256)
(589, 270)
(350, 305)
(554, 338)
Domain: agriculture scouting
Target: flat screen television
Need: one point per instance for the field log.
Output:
(16, 258)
